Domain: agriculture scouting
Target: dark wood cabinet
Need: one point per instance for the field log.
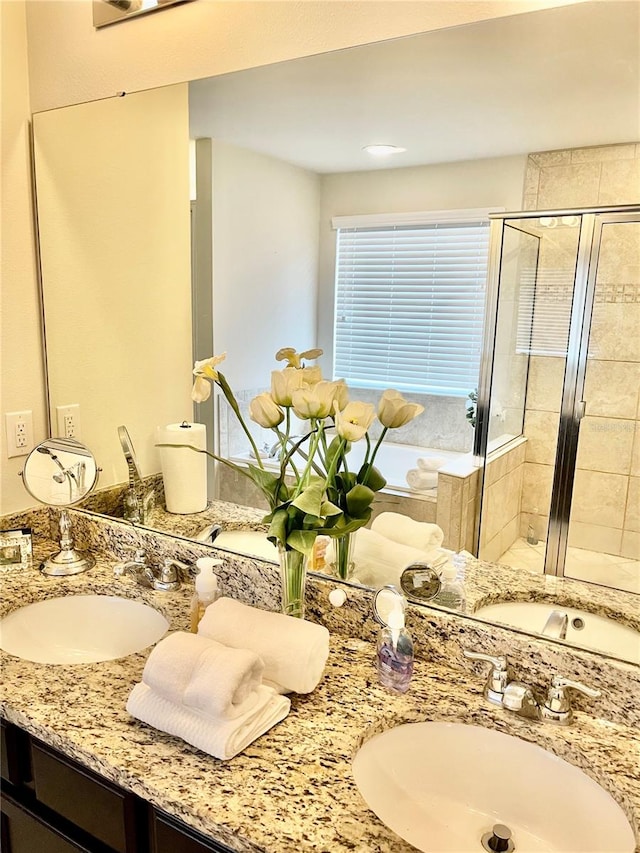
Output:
(52, 804)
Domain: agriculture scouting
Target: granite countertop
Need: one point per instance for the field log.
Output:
(292, 788)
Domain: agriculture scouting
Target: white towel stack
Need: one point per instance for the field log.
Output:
(425, 476)
(208, 695)
(294, 651)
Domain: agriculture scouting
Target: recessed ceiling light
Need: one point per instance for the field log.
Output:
(383, 150)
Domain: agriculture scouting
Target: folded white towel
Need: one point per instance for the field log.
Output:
(221, 738)
(431, 463)
(294, 651)
(204, 675)
(401, 528)
(421, 481)
(379, 560)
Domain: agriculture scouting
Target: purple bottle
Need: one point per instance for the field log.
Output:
(395, 654)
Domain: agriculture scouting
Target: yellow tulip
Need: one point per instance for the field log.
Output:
(293, 358)
(341, 393)
(354, 420)
(204, 370)
(284, 383)
(265, 412)
(314, 401)
(394, 411)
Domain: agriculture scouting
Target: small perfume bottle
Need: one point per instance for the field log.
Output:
(395, 653)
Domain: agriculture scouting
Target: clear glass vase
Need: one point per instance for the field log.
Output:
(293, 576)
(342, 564)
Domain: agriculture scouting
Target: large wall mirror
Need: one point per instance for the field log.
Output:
(203, 217)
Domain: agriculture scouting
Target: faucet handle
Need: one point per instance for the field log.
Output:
(557, 706)
(498, 675)
(139, 554)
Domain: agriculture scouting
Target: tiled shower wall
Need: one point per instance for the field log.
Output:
(606, 507)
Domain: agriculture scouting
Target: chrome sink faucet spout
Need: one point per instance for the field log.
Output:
(520, 699)
(167, 578)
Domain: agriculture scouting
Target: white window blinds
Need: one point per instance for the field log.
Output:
(409, 305)
(544, 311)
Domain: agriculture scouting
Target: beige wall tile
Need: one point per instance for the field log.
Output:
(611, 389)
(594, 537)
(544, 388)
(531, 177)
(615, 331)
(491, 551)
(632, 515)
(599, 498)
(561, 157)
(601, 153)
(508, 535)
(630, 545)
(536, 488)
(540, 524)
(495, 508)
(619, 256)
(605, 445)
(635, 456)
(514, 479)
(541, 430)
(620, 182)
(569, 186)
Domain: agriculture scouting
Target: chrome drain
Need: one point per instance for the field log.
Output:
(498, 840)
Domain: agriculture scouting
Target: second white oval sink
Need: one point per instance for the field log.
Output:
(442, 786)
(594, 632)
(81, 629)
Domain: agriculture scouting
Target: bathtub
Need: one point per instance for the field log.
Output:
(393, 461)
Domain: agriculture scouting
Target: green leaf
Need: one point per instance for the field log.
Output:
(330, 509)
(370, 475)
(302, 540)
(277, 531)
(310, 500)
(264, 480)
(359, 500)
(333, 450)
(347, 525)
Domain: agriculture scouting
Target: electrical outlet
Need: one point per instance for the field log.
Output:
(19, 427)
(68, 421)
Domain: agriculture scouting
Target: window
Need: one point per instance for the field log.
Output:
(409, 304)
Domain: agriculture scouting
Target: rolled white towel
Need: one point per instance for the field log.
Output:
(431, 463)
(221, 738)
(378, 560)
(421, 481)
(204, 675)
(402, 529)
(294, 651)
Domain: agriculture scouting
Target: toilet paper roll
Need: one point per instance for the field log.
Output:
(184, 472)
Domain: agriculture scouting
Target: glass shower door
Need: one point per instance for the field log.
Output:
(604, 525)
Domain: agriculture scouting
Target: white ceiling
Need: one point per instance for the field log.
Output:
(558, 78)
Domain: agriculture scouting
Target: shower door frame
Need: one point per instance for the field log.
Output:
(572, 407)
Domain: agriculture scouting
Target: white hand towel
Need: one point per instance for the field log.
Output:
(431, 463)
(401, 528)
(221, 738)
(204, 675)
(294, 651)
(421, 481)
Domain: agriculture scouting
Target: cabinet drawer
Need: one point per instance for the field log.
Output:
(91, 803)
(24, 832)
(171, 836)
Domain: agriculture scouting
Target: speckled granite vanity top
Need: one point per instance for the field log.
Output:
(292, 789)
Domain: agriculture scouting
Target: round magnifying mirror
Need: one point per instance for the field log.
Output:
(62, 472)
(420, 582)
(387, 599)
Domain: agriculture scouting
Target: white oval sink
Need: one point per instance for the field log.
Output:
(597, 632)
(81, 629)
(442, 786)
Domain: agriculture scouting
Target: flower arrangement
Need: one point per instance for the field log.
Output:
(314, 491)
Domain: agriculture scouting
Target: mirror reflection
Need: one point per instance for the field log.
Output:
(291, 228)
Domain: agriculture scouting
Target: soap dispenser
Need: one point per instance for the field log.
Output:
(207, 589)
(395, 653)
(451, 593)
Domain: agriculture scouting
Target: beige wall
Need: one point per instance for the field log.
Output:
(70, 61)
(21, 377)
(265, 259)
(116, 271)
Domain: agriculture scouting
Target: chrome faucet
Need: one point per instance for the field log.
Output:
(556, 625)
(138, 498)
(167, 578)
(520, 698)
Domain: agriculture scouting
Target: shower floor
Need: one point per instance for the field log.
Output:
(592, 566)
